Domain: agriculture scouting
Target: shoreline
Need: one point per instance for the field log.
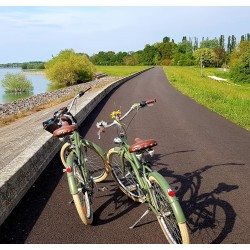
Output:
(11, 109)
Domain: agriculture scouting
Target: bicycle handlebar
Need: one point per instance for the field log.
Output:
(148, 102)
(81, 93)
(63, 115)
(66, 110)
(103, 125)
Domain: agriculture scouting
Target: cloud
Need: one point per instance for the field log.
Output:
(37, 32)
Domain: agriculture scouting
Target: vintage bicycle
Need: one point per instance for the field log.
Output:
(84, 161)
(134, 176)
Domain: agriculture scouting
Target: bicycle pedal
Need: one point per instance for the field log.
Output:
(102, 189)
(132, 187)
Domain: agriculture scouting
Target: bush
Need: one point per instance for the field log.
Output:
(16, 83)
(69, 68)
(207, 56)
(240, 63)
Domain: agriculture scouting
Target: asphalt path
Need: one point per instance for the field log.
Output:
(203, 156)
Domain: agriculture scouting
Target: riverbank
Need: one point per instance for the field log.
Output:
(33, 72)
(14, 110)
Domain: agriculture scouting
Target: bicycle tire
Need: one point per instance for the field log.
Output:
(126, 182)
(175, 233)
(82, 198)
(95, 161)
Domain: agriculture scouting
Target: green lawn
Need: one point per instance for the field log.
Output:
(121, 71)
(230, 101)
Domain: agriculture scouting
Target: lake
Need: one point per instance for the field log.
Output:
(39, 82)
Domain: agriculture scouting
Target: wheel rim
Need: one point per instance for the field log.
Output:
(166, 216)
(94, 161)
(128, 180)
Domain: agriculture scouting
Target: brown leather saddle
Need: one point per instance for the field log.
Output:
(142, 145)
(66, 128)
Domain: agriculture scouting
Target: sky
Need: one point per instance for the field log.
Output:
(38, 32)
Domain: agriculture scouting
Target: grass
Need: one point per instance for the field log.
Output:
(120, 71)
(232, 102)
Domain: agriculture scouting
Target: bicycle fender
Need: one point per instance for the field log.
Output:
(173, 201)
(70, 176)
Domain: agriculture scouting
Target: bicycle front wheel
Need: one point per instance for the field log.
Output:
(125, 178)
(96, 163)
(82, 198)
(175, 232)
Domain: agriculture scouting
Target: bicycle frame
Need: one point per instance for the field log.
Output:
(77, 151)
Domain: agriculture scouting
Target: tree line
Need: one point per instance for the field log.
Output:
(217, 52)
(24, 65)
(69, 68)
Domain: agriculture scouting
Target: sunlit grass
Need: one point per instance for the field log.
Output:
(232, 102)
(121, 71)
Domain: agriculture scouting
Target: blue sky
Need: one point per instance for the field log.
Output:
(35, 33)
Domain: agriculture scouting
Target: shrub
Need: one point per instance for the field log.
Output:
(207, 56)
(240, 63)
(16, 83)
(69, 68)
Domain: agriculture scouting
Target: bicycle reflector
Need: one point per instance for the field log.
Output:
(171, 192)
(68, 170)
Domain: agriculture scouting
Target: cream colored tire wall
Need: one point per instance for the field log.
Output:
(183, 226)
(79, 208)
(105, 168)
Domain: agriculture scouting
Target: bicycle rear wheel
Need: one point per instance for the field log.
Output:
(95, 161)
(82, 198)
(126, 181)
(176, 233)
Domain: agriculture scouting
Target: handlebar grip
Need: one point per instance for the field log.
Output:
(151, 101)
(81, 93)
(148, 102)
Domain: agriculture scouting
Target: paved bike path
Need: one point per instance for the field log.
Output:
(204, 157)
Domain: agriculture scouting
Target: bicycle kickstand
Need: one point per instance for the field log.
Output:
(145, 213)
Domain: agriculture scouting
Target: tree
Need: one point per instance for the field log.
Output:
(166, 39)
(211, 44)
(69, 68)
(16, 83)
(222, 42)
(206, 56)
(164, 53)
(220, 56)
(231, 44)
(183, 53)
(229, 47)
(195, 46)
(148, 55)
(240, 63)
(132, 59)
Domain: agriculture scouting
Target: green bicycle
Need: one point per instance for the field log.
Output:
(85, 162)
(135, 178)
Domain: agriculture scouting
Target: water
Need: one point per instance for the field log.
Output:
(39, 82)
